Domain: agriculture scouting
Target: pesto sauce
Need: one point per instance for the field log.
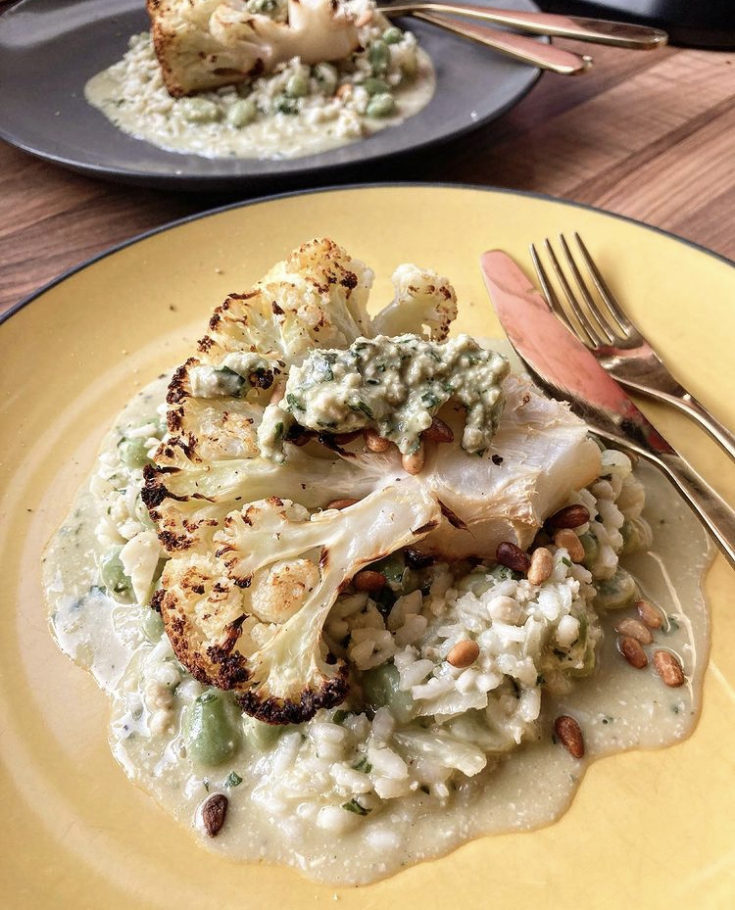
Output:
(397, 385)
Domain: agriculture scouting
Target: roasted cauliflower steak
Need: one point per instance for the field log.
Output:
(205, 44)
(256, 554)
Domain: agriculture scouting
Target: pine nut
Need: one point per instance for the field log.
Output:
(650, 615)
(463, 654)
(569, 735)
(367, 580)
(566, 538)
(569, 517)
(632, 652)
(508, 554)
(414, 462)
(341, 503)
(438, 431)
(214, 811)
(668, 668)
(635, 629)
(542, 565)
(375, 442)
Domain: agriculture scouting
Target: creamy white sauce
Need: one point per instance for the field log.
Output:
(617, 708)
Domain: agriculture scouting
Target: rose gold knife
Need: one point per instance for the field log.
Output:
(569, 372)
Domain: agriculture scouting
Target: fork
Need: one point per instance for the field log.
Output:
(618, 345)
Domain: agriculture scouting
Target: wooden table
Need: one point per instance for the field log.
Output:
(649, 135)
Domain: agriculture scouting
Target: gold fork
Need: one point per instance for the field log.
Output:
(610, 335)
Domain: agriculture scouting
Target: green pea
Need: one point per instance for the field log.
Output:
(142, 514)
(152, 625)
(211, 728)
(375, 86)
(380, 688)
(285, 105)
(635, 535)
(259, 735)
(297, 85)
(327, 77)
(133, 452)
(242, 113)
(379, 56)
(381, 106)
(113, 577)
(616, 592)
(200, 110)
(392, 35)
(591, 549)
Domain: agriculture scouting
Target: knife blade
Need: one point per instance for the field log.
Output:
(569, 372)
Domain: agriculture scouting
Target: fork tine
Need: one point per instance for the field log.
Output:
(607, 296)
(582, 319)
(553, 300)
(608, 336)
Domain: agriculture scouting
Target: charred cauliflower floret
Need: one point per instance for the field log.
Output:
(249, 615)
(204, 44)
(240, 489)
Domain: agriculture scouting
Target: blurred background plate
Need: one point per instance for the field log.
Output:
(49, 49)
(646, 829)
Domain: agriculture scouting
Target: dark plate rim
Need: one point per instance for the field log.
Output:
(212, 182)
(473, 187)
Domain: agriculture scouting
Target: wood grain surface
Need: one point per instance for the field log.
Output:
(645, 134)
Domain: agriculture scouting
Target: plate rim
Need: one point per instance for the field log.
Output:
(333, 188)
(202, 182)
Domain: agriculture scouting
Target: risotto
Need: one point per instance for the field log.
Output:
(294, 111)
(477, 687)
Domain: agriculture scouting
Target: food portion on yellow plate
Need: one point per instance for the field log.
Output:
(263, 78)
(355, 587)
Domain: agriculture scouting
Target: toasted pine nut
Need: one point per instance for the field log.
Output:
(438, 431)
(650, 615)
(375, 442)
(542, 565)
(341, 503)
(463, 654)
(566, 538)
(278, 392)
(214, 812)
(344, 91)
(569, 735)
(367, 580)
(569, 517)
(668, 668)
(632, 652)
(414, 462)
(635, 629)
(512, 556)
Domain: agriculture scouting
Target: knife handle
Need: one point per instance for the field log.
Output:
(717, 516)
(518, 47)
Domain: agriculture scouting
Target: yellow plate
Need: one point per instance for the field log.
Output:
(648, 829)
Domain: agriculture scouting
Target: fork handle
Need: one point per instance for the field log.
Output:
(713, 511)
(692, 408)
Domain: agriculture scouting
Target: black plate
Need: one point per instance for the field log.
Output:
(49, 49)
